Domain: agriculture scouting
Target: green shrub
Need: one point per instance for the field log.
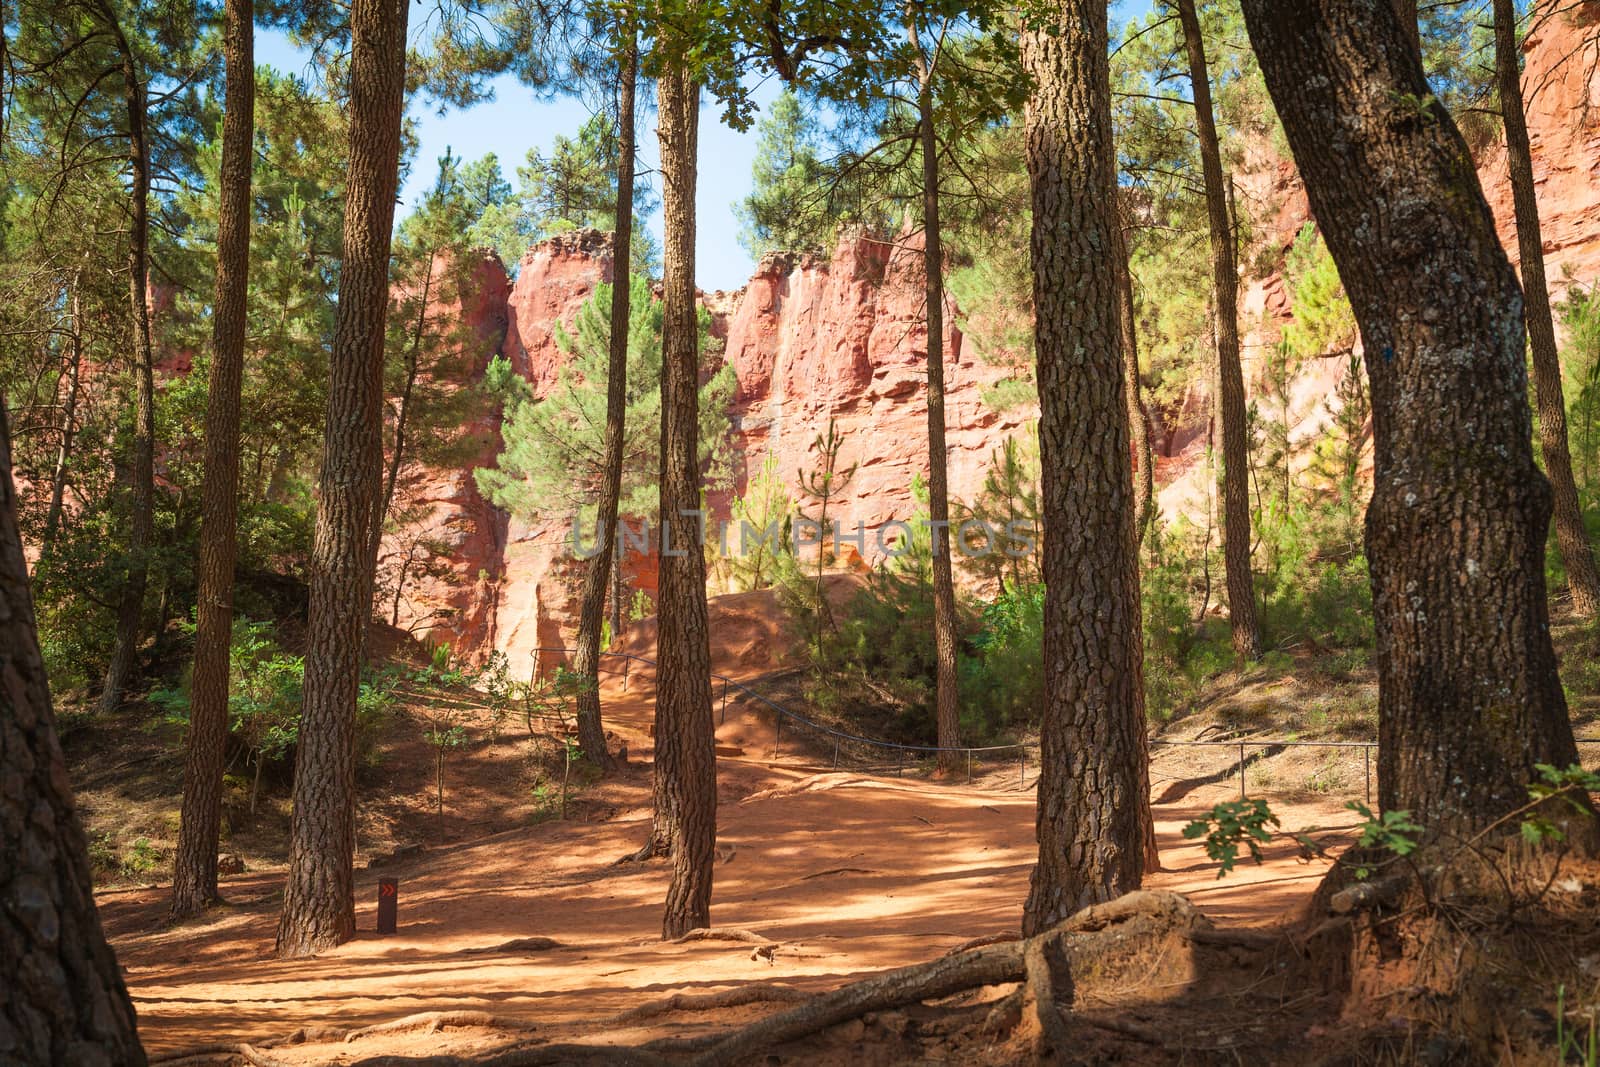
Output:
(264, 701)
(1002, 681)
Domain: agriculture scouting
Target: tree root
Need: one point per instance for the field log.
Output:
(986, 939)
(220, 1055)
(433, 1021)
(1043, 963)
(1048, 986)
(727, 998)
(723, 933)
(528, 1056)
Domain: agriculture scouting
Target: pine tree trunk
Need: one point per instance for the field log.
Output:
(1469, 700)
(69, 425)
(1576, 553)
(62, 1000)
(617, 590)
(194, 877)
(318, 904)
(591, 728)
(686, 770)
(402, 422)
(1093, 778)
(947, 692)
(1230, 376)
(1138, 416)
(141, 527)
(1406, 12)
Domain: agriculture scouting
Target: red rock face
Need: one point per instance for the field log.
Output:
(809, 339)
(1561, 93)
(538, 590)
(847, 340)
(447, 562)
(553, 280)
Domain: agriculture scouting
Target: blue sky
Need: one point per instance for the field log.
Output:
(514, 121)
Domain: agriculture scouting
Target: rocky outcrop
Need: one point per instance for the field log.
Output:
(1561, 93)
(1561, 88)
(846, 339)
(810, 339)
(439, 571)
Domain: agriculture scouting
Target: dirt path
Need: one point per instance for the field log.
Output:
(847, 873)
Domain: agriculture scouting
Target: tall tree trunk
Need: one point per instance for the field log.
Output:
(591, 729)
(1138, 416)
(1573, 538)
(1469, 701)
(1093, 777)
(1230, 377)
(947, 694)
(318, 903)
(402, 422)
(1406, 12)
(1144, 491)
(616, 592)
(62, 999)
(69, 424)
(686, 767)
(141, 527)
(194, 876)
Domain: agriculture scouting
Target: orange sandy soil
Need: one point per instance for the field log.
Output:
(849, 873)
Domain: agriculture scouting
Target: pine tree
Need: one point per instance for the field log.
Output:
(64, 999)
(607, 561)
(1573, 538)
(686, 769)
(1230, 377)
(789, 208)
(319, 904)
(552, 464)
(1093, 810)
(194, 880)
(1469, 701)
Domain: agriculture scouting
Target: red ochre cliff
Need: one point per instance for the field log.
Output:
(845, 339)
(809, 340)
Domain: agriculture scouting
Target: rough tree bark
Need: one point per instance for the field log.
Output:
(1093, 778)
(402, 423)
(194, 876)
(62, 999)
(1406, 12)
(1230, 376)
(1469, 700)
(318, 904)
(686, 769)
(1138, 415)
(591, 728)
(142, 499)
(1576, 552)
(947, 693)
(69, 424)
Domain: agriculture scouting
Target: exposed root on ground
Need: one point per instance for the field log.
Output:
(723, 933)
(817, 783)
(222, 1055)
(727, 998)
(1045, 963)
(433, 1021)
(986, 939)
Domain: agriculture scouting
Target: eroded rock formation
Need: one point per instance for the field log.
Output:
(845, 338)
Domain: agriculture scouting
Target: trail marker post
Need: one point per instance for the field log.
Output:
(388, 904)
